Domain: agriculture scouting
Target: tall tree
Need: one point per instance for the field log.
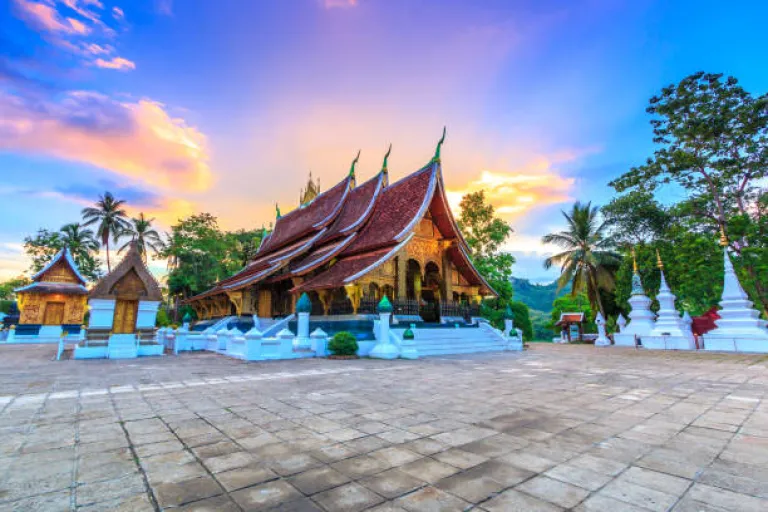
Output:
(712, 138)
(110, 217)
(588, 260)
(485, 234)
(140, 230)
(42, 247)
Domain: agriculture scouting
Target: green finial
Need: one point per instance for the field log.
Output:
(508, 315)
(187, 318)
(277, 211)
(436, 158)
(384, 305)
(386, 157)
(408, 334)
(304, 305)
(263, 231)
(354, 162)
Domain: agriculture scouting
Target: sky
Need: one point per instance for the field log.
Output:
(226, 106)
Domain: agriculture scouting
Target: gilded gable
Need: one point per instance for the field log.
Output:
(129, 285)
(60, 272)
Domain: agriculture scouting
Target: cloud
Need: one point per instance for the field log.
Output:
(164, 7)
(45, 17)
(118, 13)
(332, 4)
(117, 63)
(137, 139)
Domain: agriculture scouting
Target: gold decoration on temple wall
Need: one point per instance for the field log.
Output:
(59, 273)
(66, 309)
(129, 286)
(236, 298)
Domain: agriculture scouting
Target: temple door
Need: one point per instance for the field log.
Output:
(125, 316)
(54, 313)
(265, 304)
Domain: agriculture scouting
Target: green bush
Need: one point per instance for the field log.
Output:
(5, 306)
(493, 310)
(162, 319)
(343, 344)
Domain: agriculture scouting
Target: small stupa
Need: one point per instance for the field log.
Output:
(670, 332)
(641, 317)
(739, 328)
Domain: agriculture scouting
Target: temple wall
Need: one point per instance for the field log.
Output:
(32, 308)
(102, 313)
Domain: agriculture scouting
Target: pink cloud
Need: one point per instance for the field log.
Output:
(136, 139)
(44, 17)
(118, 63)
(118, 13)
(331, 4)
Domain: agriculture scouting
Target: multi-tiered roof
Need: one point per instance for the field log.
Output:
(356, 228)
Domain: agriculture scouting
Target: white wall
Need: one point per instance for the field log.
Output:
(147, 314)
(102, 313)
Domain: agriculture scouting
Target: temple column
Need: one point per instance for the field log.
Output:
(447, 277)
(384, 348)
(325, 300)
(402, 272)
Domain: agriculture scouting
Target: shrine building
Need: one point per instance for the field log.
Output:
(354, 243)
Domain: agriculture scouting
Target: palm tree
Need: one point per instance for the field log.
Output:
(110, 216)
(144, 235)
(78, 239)
(588, 260)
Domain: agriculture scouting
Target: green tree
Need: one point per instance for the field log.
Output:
(712, 138)
(200, 254)
(42, 247)
(588, 260)
(7, 287)
(140, 230)
(578, 303)
(485, 234)
(110, 217)
(636, 218)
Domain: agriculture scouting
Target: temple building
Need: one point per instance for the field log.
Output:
(352, 244)
(126, 300)
(54, 302)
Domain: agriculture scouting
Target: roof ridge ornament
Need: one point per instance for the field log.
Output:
(658, 260)
(723, 238)
(384, 169)
(277, 211)
(353, 180)
(436, 158)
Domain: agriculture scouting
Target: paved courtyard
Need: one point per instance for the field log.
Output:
(557, 427)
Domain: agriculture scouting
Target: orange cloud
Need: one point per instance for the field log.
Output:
(140, 139)
(117, 63)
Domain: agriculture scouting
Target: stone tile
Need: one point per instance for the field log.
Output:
(248, 476)
(430, 499)
(506, 474)
(459, 458)
(598, 464)
(395, 456)
(350, 497)
(266, 495)
(600, 503)
(360, 466)
(726, 499)
(136, 503)
(216, 504)
(473, 485)
(638, 495)
(654, 480)
(529, 461)
(428, 470)
(293, 464)
(515, 501)
(128, 485)
(318, 480)
(227, 462)
(54, 502)
(392, 483)
(581, 477)
(425, 446)
(554, 491)
(181, 493)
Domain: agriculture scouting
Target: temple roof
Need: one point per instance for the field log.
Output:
(131, 261)
(354, 229)
(65, 257)
(53, 287)
(570, 318)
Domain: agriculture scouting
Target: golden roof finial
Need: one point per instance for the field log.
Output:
(658, 259)
(723, 238)
(634, 260)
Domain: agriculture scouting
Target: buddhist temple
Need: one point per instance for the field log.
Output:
(54, 302)
(352, 244)
(126, 300)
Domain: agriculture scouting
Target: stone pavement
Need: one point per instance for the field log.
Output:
(555, 427)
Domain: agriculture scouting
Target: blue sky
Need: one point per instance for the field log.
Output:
(225, 106)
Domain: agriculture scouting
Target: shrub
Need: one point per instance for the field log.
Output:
(343, 344)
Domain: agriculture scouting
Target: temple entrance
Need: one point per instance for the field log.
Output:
(125, 316)
(54, 313)
(413, 280)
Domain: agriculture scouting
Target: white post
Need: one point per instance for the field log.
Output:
(602, 340)
(11, 334)
(319, 342)
(182, 335)
(384, 349)
(303, 308)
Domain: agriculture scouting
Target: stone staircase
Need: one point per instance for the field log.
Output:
(433, 342)
(122, 346)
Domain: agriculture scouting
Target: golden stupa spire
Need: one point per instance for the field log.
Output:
(723, 238)
(634, 260)
(658, 260)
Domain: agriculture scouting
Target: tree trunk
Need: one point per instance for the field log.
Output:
(106, 245)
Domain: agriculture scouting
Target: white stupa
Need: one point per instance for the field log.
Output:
(670, 331)
(641, 317)
(739, 328)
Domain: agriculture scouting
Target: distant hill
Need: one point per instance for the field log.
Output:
(537, 296)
